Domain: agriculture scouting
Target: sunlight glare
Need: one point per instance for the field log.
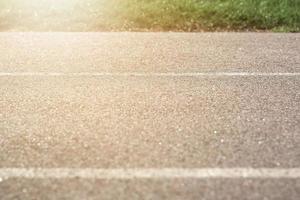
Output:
(48, 4)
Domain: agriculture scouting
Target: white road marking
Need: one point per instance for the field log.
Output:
(145, 74)
(151, 173)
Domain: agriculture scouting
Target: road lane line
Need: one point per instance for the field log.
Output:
(145, 74)
(149, 173)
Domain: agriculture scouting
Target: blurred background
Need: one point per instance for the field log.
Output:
(150, 15)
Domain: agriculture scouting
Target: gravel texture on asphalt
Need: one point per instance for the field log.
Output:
(150, 121)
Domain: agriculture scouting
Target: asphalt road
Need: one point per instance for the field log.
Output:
(149, 101)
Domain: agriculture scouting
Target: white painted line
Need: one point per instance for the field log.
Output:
(151, 173)
(145, 74)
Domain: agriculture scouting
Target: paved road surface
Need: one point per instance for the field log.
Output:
(149, 101)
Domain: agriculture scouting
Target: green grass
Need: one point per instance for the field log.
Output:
(151, 15)
(207, 15)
